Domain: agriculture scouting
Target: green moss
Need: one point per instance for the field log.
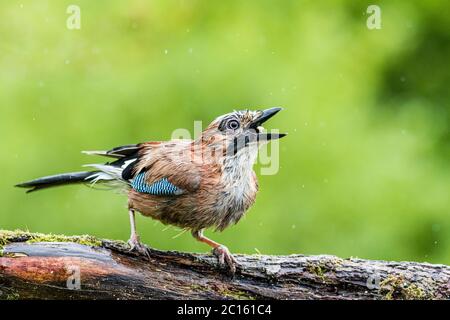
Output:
(414, 292)
(317, 270)
(395, 287)
(196, 287)
(232, 294)
(84, 239)
(12, 296)
(237, 295)
(24, 236)
(324, 269)
(3, 240)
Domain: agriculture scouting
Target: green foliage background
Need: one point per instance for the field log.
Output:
(364, 170)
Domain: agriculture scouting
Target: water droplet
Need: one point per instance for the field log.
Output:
(166, 51)
(67, 61)
(293, 226)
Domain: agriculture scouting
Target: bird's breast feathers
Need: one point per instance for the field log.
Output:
(169, 186)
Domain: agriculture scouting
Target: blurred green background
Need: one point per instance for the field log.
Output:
(364, 170)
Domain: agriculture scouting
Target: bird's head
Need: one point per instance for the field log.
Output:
(240, 131)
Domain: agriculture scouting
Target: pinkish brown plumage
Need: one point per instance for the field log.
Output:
(191, 184)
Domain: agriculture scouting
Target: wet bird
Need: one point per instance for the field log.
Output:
(192, 184)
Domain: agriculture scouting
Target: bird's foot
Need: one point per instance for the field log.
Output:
(137, 246)
(225, 257)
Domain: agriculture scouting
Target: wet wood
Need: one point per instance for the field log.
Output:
(107, 270)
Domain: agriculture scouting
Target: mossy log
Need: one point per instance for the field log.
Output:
(37, 266)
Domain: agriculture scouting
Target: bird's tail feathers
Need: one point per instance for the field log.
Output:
(56, 180)
(106, 175)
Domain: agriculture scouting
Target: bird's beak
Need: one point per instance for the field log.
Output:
(266, 115)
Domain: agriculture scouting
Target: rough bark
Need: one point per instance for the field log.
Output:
(36, 266)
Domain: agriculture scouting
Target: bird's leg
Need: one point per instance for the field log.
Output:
(135, 242)
(219, 250)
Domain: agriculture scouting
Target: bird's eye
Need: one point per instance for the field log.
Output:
(233, 124)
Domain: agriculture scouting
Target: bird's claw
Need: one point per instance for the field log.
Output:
(137, 246)
(225, 257)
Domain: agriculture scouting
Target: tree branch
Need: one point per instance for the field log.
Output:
(37, 266)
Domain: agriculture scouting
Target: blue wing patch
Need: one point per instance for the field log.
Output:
(161, 187)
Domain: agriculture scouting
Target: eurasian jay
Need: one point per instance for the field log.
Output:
(191, 184)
